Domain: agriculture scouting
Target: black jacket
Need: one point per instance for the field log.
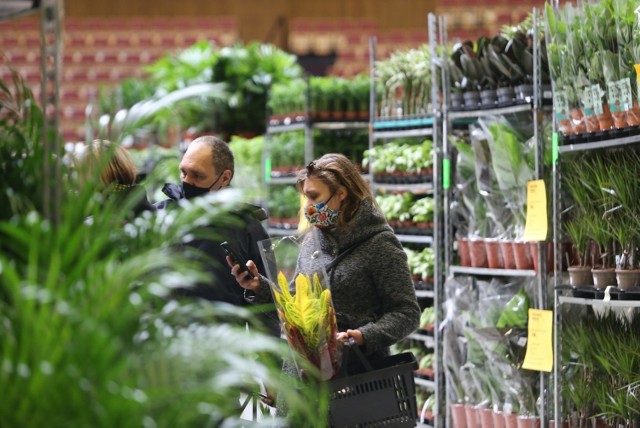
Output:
(242, 231)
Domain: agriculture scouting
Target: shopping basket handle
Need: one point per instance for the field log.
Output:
(353, 347)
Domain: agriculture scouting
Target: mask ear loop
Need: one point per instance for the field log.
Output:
(330, 197)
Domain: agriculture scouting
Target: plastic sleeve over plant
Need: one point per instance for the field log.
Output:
(483, 361)
(512, 168)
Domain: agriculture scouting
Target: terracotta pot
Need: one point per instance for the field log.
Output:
(478, 253)
(592, 124)
(605, 120)
(494, 255)
(633, 115)
(350, 115)
(580, 276)
(565, 127)
(533, 249)
(486, 418)
(472, 415)
(464, 252)
(458, 416)
(528, 422)
(627, 278)
(508, 257)
(619, 119)
(498, 420)
(511, 420)
(603, 277)
(577, 121)
(522, 255)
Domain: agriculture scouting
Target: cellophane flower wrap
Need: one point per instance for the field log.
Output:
(304, 306)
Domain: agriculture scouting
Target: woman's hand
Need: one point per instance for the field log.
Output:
(249, 284)
(356, 334)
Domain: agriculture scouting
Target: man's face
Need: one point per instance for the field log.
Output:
(196, 167)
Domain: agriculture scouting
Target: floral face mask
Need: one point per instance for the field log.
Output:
(320, 215)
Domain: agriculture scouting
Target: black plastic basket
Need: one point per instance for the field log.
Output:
(384, 396)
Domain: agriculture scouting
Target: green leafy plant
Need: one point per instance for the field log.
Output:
(288, 97)
(248, 176)
(242, 74)
(405, 79)
(284, 202)
(286, 150)
(21, 154)
(112, 348)
(421, 263)
(600, 367)
(510, 169)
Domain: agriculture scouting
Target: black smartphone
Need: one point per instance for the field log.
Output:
(236, 259)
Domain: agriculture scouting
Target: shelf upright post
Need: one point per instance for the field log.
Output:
(308, 129)
(557, 308)
(542, 277)
(51, 16)
(372, 104)
(435, 30)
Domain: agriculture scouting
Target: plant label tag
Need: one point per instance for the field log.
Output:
(614, 97)
(561, 105)
(539, 355)
(597, 94)
(587, 101)
(626, 100)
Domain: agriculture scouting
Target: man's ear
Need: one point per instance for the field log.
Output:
(227, 175)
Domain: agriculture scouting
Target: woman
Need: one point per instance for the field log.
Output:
(117, 174)
(371, 286)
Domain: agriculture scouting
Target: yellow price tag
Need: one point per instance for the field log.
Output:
(535, 228)
(539, 355)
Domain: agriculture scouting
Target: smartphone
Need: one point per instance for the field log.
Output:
(236, 259)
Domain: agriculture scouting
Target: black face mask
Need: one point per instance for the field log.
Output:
(190, 191)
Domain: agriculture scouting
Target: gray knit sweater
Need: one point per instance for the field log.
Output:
(371, 286)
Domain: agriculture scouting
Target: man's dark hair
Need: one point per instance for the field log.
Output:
(221, 154)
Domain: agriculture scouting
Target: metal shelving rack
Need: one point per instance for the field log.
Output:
(534, 112)
(426, 126)
(560, 298)
(308, 126)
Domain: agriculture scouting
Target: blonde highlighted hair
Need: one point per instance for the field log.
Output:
(336, 170)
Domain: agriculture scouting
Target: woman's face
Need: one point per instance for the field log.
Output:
(316, 191)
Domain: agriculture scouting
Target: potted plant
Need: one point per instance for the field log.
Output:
(288, 101)
(556, 47)
(630, 29)
(361, 86)
(422, 215)
(284, 207)
(580, 273)
(598, 35)
(465, 193)
(622, 218)
(405, 78)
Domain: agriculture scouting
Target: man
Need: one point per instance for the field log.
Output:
(208, 166)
